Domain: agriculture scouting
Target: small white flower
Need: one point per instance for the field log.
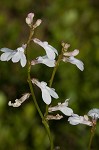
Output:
(43, 60)
(14, 55)
(50, 51)
(18, 102)
(75, 119)
(73, 60)
(63, 108)
(94, 113)
(46, 91)
(29, 18)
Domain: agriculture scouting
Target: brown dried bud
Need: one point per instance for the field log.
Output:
(51, 117)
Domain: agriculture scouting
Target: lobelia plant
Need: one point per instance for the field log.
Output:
(21, 55)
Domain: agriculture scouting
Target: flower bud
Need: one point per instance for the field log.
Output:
(29, 19)
(65, 46)
(37, 23)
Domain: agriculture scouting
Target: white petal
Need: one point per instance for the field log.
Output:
(4, 56)
(23, 59)
(46, 61)
(6, 50)
(74, 120)
(73, 53)
(94, 113)
(43, 83)
(55, 51)
(50, 51)
(52, 92)
(11, 55)
(38, 42)
(49, 63)
(67, 111)
(35, 81)
(77, 62)
(46, 96)
(16, 57)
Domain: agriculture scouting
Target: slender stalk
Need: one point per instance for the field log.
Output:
(52, 77)
(55, 69)
(32, 91)
(92, 135)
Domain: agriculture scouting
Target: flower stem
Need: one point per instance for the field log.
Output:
(55, 69)
(92, 135)
(52, 77)
(32, 92)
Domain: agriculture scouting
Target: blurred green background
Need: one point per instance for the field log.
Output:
(75, 22)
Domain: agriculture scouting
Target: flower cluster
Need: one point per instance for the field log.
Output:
(75, 119)
(29, 21)
(49, 60)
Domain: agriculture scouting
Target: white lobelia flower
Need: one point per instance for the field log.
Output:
(75, 119)
(63, 108)
(72, 59)
(18, 102)
(46, 91)
(50, 51)
(94, 113)
(43, 60)
(14, 55)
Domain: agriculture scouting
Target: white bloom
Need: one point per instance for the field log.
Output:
(43, 60)
(46, 91)
(29, 18)
(73, 60)
(63, 108)
(18, 102)
(75, 119)
(15, 55)
(94, 113)
(50, 51)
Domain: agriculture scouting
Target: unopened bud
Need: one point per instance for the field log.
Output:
(65, 46)
(29, 19)
(37, 23)
(34, 62)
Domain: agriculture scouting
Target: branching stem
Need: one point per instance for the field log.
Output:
(45, 123)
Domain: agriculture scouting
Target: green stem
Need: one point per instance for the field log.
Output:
(39, 111)
(55, 69)
(52, 77)
(32, 91)
(91, 137)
